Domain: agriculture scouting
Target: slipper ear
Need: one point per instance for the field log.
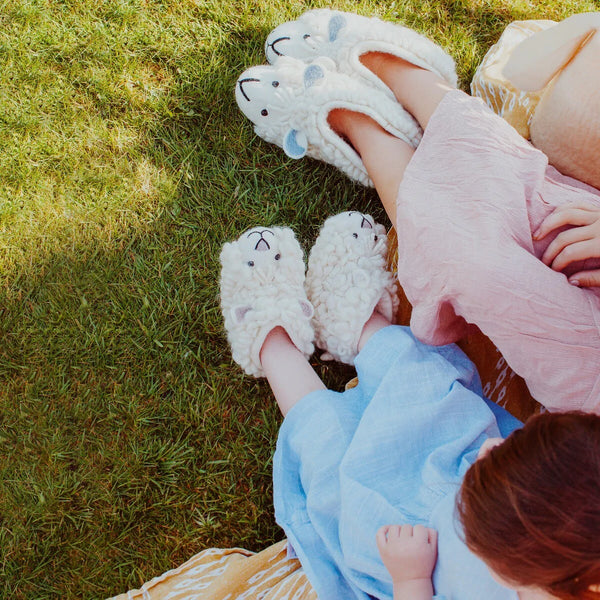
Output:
(336, 23)
(295, 143)
(313, 74)
(307, 309)
(238, 313)
(537, 59)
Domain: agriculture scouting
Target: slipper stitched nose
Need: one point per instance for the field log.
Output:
(262, 245)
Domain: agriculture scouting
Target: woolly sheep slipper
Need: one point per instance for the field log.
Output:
(289, 103)
(262, 287)
(345, 37)
(347, 279)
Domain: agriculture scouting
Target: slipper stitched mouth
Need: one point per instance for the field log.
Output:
(279, 39)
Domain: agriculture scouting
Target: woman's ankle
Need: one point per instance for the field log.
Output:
(418, 90)
(346, 122)
(381, 64)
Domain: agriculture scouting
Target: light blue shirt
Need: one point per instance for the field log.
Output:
(392, 450)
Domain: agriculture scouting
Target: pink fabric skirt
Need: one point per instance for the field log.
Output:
(470, 200)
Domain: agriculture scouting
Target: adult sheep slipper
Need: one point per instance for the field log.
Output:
(289, 103)
(345, 37)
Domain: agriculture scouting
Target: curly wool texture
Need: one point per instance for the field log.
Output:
(293, 106)
(347, 279)
(255, 299)
(354, 35)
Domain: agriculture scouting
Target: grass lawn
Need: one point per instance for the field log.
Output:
(128, 439)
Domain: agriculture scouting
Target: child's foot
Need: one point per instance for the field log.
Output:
(289, 104)
(347, 280)
(346, 38)
(262, 287)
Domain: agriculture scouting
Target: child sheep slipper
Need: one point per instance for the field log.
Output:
(262, 287)
(289, 103)
(344, 37)
(347, 279)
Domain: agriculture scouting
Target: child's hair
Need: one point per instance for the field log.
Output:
(531, 508)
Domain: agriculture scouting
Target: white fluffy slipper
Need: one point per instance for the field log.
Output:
(289, 102)
(347, 279)
(344, 37)
(262, 287)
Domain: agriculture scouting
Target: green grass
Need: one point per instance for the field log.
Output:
(128, 439)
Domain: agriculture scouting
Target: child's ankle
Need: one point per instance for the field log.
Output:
(275, 340)
(376, 322)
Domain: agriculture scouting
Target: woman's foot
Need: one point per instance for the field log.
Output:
(417, 89)
(290, 101)
(346, 38)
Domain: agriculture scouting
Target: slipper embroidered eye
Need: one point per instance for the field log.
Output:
(344, 37)
(289, 102)
(262, 287)
(347, 279)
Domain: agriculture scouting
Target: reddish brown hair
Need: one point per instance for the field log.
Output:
(531, 508)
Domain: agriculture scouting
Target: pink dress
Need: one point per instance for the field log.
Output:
(470, 200)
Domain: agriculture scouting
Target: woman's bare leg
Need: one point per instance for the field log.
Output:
(384, 155)
(418, 90)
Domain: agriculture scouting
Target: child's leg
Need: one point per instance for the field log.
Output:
(289, 374)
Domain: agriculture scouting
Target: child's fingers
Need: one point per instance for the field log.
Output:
(394, 532)
(381, 535)
(567, 215)
(387, 532)
(406, 531)
(433, 536)
(421, 533)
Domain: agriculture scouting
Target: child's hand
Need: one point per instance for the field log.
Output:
(408, 553)
(578, 243)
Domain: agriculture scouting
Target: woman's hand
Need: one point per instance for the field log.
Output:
(580, 242)
(409, 554)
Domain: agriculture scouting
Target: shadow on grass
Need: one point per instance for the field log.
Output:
(130, 440)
